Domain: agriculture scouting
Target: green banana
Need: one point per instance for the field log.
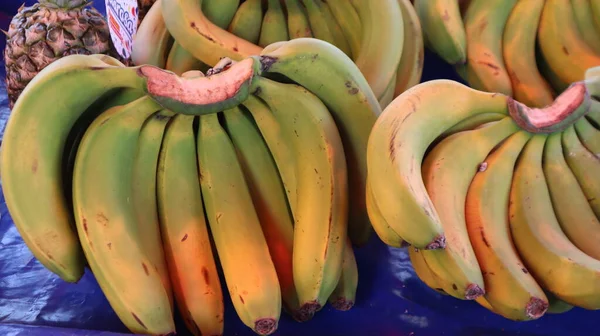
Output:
(510, 289)
(556, 305)
(584, 16)
(107, 224)
(143, 192)
(349, 21)
(297, 21)
(187, 242)
(30, 181)
(382, 25)
(588, 135)
(336, 80)
(208, 43)
(269, 198)
(518, 46)
(318, 23)
(247, 21)
(570, 204)
(561, 44)
(321, 211)
(336, 31)
(484, 24)
(381, 227)
(443, 29)
(584, 165)
(593, 115)
(220, 12)
(539, 239)
(152, 40)
(410, 67)
(249, 271)
(274, 26)
(344, 294)
(180, 60)
(449, 167)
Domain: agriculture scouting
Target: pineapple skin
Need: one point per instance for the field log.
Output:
(41, 34)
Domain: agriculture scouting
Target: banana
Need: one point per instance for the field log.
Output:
(557, 306)
(344, 295)
(584, 165)
(562, 46)
(107, 224)
(152, 40)
(551, 77)
(447, 172)
(539, 239)
(247, 21)
(484, 24)
(297, 21)
(584, 17)
(220, 12)
(349, 21)
(410, 67)
(109, 60)
(336, 31)
(249, 272)
(381, 227)
(588, 135)
(41, 130)
(187, 243)
(469, 124)
(203, 39)
(335, 79)
(388, 95)
(423, 271)
(595, 8)
(382, 25)
(318, 23)
(571, 207)
(593, 115)
(510, 289)
(321, 211)
(443, 29)
(269, 198)
(518, 46)
(398, 143)
(143, 193)
(274, 26)
(180, 60)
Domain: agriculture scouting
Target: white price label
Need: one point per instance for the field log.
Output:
(122, 16)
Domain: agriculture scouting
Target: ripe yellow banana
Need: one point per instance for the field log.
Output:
(30, 181)
(274, 26)
(107, 224)
(410, 67)
(297, 20)
(243, 252)
(321, 211)
(443, 29)
(335, 79)
(484, 24)
(247, 21)
(269, 198)
(509, 287)
(556, 264)
(518, 46)
(388, 95)
(588, 135)
(561, 44)
(208, 43)
(571, 207)
(381, 227)
(152, 41)
(344, 295)
(184, 231)
(349, 21)
(339, 38)
(423, 271)
(584, 165)
(447, 172)
(584, 16)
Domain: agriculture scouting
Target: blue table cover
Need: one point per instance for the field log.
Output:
(391, 300)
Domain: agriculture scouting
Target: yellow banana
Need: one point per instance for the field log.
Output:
(344, 295)
(584, 16)
(423, 271)
(349, 21)
(152, 40)
(381, 227)
(180, 60)
(274, 26)
(410, 67)
(318, 23)
(339, 38)
(297, 21)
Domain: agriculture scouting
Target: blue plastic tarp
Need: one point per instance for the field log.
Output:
(391, 300)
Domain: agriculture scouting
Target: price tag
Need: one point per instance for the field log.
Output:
(122, 16)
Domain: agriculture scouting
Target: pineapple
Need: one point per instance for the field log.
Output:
(48, 30)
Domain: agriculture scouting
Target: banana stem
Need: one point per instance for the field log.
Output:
(567, 108)
(223, 88)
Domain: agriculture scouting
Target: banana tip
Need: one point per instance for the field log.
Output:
(265, 326)
(536, 307)
(342, 304)
(307, 311)
(438, 243)
(473, 292)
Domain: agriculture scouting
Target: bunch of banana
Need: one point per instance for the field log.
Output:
(138, 173)
(383, 38)
(531, 50)
(499, 201)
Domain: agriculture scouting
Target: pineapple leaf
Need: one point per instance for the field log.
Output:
(64, 4)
